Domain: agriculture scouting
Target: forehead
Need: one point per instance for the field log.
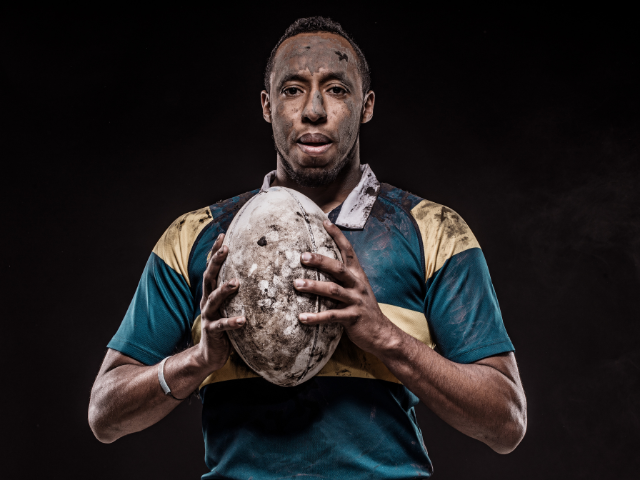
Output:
(311, 52)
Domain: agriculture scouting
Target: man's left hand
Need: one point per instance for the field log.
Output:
(358, 310)
(484, 399)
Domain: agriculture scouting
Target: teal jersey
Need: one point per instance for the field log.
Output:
(354, 419)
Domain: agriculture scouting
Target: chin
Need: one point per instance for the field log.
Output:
(313, 172)
(307, 162)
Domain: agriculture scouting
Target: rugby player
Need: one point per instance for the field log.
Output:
(421, 317)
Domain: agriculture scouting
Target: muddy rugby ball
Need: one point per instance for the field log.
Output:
(265, 240)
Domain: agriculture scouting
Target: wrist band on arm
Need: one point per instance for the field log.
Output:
(163, 382)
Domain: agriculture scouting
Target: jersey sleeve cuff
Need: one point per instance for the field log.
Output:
(135, 352)
(485, 351)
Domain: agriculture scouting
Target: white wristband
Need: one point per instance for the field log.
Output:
(163, 382)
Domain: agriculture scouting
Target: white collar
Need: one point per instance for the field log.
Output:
(357, 206)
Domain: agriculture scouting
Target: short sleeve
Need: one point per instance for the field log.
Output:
(463, 312)
(461, 304)
(158, 321)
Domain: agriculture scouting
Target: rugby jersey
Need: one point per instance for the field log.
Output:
(354, 419)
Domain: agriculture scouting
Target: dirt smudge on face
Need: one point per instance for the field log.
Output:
(318, 104)
(342, 56)
(349, 128)
(308, 57)
(312, 51)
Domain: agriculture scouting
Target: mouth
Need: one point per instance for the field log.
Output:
(314, 143)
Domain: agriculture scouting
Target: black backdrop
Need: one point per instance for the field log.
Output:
(525, 121)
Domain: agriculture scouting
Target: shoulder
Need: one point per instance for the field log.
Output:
(401, 198)
(443, 231)
(393, 207)
(223, 211)
(176, 243)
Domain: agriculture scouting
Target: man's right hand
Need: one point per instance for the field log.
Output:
(127, 397)
(214, 347)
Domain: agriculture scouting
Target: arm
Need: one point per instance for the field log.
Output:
(126, 396)
(484, 400)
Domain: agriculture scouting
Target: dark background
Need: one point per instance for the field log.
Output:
(525, 121)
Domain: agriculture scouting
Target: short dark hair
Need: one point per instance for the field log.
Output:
(320, 24)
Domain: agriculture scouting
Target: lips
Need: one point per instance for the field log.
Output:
(314, 143)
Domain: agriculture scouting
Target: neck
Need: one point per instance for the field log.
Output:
(327, 197)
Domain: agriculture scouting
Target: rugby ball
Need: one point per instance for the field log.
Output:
(265, 240)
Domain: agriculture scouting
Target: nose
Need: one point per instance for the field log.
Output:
(314, 111)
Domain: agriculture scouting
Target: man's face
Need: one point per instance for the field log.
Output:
(315, 106)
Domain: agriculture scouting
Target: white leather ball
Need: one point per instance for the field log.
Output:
(265, 240)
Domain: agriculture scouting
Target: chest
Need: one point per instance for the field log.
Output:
(388, 249)
(391, 256)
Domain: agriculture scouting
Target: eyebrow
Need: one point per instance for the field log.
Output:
(325, 77)
(289, 77)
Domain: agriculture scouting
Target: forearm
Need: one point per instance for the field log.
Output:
(483, 400)
(476, 399)
(127, 397)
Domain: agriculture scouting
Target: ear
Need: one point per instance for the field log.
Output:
(266, 106)
(367, 106)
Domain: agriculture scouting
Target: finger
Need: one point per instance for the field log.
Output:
(214, 301)
(348, 254)
(224, 324)
(210, 276)
(335, 268)
(209, 280)
(343, 315)
(326, 289)
(216, 246)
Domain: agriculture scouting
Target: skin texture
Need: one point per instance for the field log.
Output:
(316, 91)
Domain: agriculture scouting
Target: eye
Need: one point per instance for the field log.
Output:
(337, 90)
(291, 91)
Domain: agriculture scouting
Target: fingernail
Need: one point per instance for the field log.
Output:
(233, 283)
(299, 283)
(219, 236)
(303, 317)
(328, 223)
(221, 251)
(306, 256)
(240, 321)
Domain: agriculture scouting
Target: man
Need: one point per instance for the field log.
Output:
(413, 279)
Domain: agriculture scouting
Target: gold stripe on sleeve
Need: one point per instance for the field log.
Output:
(412, 322)
(175, 244)
(444, 234)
